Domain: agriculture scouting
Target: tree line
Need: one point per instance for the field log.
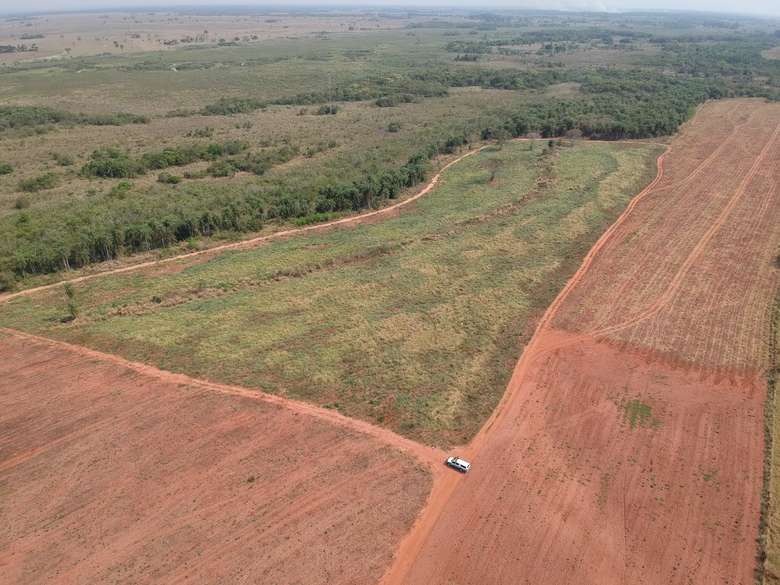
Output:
(29, 116)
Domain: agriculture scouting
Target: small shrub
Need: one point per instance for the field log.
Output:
(39, 183)
(110, 163)
(315, 218)
(73, 310)
(221, 168)
(234, 147)
(389, 101)
(6, 169)
(328, 110)
(7, 281)
(119, 190)
(206, 132)
(21, 203)
(168, 178)
(61, 159)
(394, 127)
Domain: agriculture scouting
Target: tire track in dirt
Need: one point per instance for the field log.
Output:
(444, 485)
(531, 351)
(693, 257)
(431, 456)
(692, 174)
(411, 547)
(713, 155)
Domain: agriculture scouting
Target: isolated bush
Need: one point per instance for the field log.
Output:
(70, 295)
(111, 163)
(221, 168)
(328, 109)
(6, 169)
(389, 101)
(394, 127)
(39, 183)
(119, 190)
(21, 203)
(64, 160)
(232, 147)
(7, 281)
(168, 178)
(206, 132)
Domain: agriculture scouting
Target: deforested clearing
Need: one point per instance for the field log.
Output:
(411, 323)
(113, 475)
(629, 447)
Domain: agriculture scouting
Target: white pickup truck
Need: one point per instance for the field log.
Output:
(457, 463)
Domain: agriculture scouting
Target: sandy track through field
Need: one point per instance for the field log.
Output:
(428, 455)
(565, 489)
(674, 286)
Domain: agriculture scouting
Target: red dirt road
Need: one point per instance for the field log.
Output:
(628, 447)
(111, 474)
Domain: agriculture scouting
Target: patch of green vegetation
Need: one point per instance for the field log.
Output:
(494, 75)
(639, 415)
(412, 323)
(6, 169)
(768, 566)
(113, 163)
(31, 116)
(39, 183)
(328, 110)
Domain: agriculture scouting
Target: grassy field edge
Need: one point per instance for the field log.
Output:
(768, 565)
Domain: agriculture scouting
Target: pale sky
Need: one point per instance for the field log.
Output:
(760, 7)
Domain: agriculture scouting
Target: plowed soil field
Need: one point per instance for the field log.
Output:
(629, 445)
(108, 475)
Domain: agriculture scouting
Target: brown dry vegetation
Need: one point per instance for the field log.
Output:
(133, 32)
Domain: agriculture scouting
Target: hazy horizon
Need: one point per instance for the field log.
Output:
(768, 8)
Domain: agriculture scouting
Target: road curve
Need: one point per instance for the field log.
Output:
(430, 456)
(560, 380)
(253, 242)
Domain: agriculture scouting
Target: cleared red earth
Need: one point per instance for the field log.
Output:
(111, 474)
(629, 445)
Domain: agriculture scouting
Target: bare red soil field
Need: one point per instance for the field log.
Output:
(109, 474)
(629, 445)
